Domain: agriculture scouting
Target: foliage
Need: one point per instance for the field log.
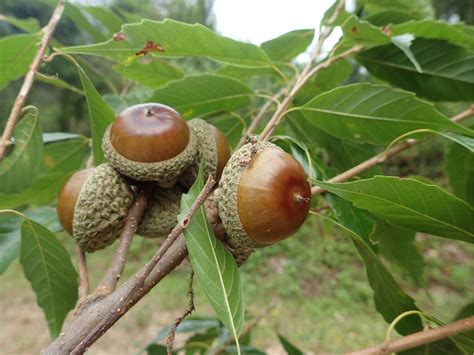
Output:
(414, 64)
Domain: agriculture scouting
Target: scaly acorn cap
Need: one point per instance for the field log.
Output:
(207, 152)
(227, 193)
(161, 215)
(101, 208)
(165, 172)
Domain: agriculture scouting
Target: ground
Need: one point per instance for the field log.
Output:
(316, 280)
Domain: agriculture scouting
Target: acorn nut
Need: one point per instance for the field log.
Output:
(150, 142)
(92, 206)
(263, 195)
(213, 150)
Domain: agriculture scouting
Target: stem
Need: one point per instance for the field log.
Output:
(380, 158)
(307, 72)
(419, 338)
(109, 282)
(126, 302)
(186, 313)
(29, 79)
(82, 271)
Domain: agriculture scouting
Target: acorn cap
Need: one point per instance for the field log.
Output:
(227, 194)
(207, 152)
(101, 208)
(165, 172)
(161, 215)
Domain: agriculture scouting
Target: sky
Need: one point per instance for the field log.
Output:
(257, 21)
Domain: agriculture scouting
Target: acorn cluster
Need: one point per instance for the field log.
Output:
(262, 196)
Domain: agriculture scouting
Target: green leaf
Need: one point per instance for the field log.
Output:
(347, 155)
(289, 45)
(106, 17)
(289, 347)
(157, 349)
(459, 168)
(154, 74)
(177, 39)
(396, 244)
(389, 17)
(457, 34)
(214, 267)
(18, 52)
(417, 8)
(59, 83)
(65, 156)
(77, 16)
(28, 25)
(101, 115)
(20, 168)
(10, 238)
(201, 343)
(390, 299)
(201, 94)
(463, 141)
(190, 325)
(342, 16)
(403, 42)
(46, 216)
(448, 70)
(357, 31)
(375, 114)
(411, 204)
(325, 80)
(49, 269)
(45, 189)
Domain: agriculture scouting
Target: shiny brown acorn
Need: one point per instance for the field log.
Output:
(263, 196)
(150, 142)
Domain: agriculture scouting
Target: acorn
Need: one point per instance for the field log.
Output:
(213, 150)
(150, 142)
(263, 195)
(161, 215)
(92, 206)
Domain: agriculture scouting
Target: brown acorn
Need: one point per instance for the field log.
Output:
(213, 151)
(263, 195)
(92, 206)
(150, 142)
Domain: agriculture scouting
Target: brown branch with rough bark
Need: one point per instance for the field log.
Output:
(135, 213)
(382, 157)
(83, 290)
(420, 338)
(138, 281)
(29, 79)
(308, 71)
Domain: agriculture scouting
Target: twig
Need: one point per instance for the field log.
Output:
(109, 282)
(380, 158)
(82, 271)
(126, 302)
(80, 326)
(255, 122)
(186, 313)
(29, 79)
(307, 72)
(419, 338)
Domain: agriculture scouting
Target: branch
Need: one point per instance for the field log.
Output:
(307, 73)
(94, 313)
(82, 271)
(186, 313)
(419, 338)
(380, 158)
(109, 282)
(29, 79)
(138, 281)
